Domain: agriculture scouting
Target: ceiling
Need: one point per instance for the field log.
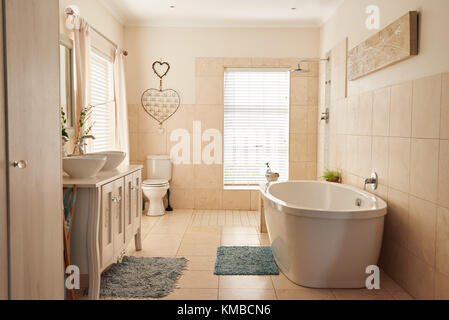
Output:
(222, 13)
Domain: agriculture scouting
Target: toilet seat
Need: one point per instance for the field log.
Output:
(158, 183)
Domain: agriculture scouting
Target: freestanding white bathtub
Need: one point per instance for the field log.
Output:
(324, 235)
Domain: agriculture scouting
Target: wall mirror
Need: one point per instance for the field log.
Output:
(66, 82)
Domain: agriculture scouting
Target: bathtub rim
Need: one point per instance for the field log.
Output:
(284, 207)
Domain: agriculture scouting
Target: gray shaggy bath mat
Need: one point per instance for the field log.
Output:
(138, 277)
(245, 261)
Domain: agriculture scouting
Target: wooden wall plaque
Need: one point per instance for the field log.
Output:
(395, 43)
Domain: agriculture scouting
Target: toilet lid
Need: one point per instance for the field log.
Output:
(156, 183)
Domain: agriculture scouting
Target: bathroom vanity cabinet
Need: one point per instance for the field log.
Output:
(107, 217)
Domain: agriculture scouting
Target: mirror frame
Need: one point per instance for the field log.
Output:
(65, 41)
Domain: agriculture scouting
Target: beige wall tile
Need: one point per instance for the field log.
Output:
(365, 114)
(397, 220)
(442, 242)
(182, 176)
(255, 200)
(299, 119)
(352, 147)
(420, 279)
(380, 158)
(401, 110)
(298, 147)
(211, 117)
(145, 123)
(311, 147)
(209, 67)
(422, 230)
(399, 163)
(133, 118)
(312, 120)
(236, 200)
(311, 170)
(298, 171)
(151, 144)
(208, 176)
(394, 260)
(182, 119)
(381, 112)
(237, 62)
(364, 151)
(209, 90)
(304, 91)
(264, 62)
(182, 198)
(426, 107)
(424, 169)
(441, 286)
(208, 199)
(443, 183)
(444, 134)
(352, 115)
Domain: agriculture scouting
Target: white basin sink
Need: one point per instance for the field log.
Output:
(83, 167)
(114, 159)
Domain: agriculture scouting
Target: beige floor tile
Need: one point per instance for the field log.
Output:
(202, 238)
(170, 228)
(198, 280)
(203, 229)
(305, 294)
(401, 295)
(246, 294)
(264, 239)
(229, 239)
(193, 294)
(160, 245)
(362, 294)
(197, 249)
(200, 263)
(281, 282)
(239, 230)
(245, 282)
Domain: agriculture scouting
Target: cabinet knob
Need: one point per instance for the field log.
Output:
(116, 199)
(22, 164)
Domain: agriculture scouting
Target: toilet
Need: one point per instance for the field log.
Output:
(159, 174)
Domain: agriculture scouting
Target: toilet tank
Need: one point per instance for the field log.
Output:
(159, 167)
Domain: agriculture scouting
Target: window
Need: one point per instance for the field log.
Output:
(256, 125)
(102, 98)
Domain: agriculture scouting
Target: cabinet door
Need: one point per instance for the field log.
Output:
(129, 207)
(119, 222)
(137, 201)
(31, 29)
(107, 224)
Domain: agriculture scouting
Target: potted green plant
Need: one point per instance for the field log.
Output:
(332, 176)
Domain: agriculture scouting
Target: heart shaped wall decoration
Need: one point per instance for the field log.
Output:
(161, 104)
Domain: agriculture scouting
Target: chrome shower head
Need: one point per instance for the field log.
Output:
(299, 70)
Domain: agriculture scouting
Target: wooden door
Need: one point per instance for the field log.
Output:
(107, 224)
(129, 207)
(119, 223)
(137, 201)
(3, 198)
(34, 140)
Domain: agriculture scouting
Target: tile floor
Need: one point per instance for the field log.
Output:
(196, 234)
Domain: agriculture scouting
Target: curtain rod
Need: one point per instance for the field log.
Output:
(70, 12)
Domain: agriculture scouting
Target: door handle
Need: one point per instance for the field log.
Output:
(22, 164)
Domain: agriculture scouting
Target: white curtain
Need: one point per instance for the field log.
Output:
(121, 106)
(82, 48)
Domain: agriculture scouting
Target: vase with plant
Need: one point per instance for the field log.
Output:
(332, 176)
(84, 126)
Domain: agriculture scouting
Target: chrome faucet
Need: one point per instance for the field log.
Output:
(82, 144)
(373, 181)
